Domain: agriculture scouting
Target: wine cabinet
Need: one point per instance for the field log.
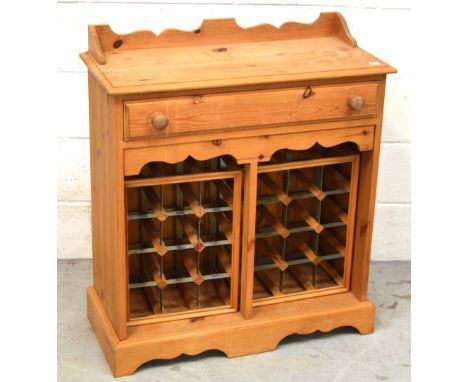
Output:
(233, 175)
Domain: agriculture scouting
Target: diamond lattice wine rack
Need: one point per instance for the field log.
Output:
(304, 229)
(183, 238)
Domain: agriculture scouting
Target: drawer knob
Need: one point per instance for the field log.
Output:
(355, 102)
(159, 121)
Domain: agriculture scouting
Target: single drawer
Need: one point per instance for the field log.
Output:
(200, 113)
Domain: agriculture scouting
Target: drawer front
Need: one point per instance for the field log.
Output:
(199, 113)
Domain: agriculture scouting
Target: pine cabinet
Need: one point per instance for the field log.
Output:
(233, 186)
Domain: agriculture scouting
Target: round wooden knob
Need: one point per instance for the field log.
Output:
(355, 102)
(159, 121)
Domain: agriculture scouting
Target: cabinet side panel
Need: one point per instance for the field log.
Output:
(369, 164)
(109, 272)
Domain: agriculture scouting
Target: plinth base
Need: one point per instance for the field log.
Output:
(229, 333)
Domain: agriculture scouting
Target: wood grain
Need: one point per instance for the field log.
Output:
(224, 224)
(189, 227)
(153, 299)
(223, 54)
(155, 204)
(154, 236)
(225, 111)
(273, 221)
(307, 217)
(224, 258)
(107, 207)
(267, 250)
(259, 148)
(268, 282)
(226, 135)
(368, 171)
(301, 277)
(191, 266)
(236, 239)
(223, 290)
(248, 240)
(215, 31)
(94, 45)
(191, 199)
(154, 267)
(225, 191)
(244, 94)
(269, 325)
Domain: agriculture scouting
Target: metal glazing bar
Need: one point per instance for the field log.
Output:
(174, 247)
(140, 250)
(264, 232)
(298, 195)
(295, 261)
(180, 280)
(298, 227)
(175, 212)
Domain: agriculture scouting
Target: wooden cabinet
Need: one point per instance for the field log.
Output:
(233, 186)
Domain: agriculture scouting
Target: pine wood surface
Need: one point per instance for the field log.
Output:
(223, 30)
(229, 332)
(246, 150)
(223, 54)
(243, 109)
(246, 95)
(248, 239)
(107, 208)
(369, 167)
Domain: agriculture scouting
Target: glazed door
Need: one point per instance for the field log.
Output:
(303, 228)
(183, 239)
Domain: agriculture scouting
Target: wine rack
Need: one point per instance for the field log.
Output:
(184, 257)
(183, 238)
(304, 225)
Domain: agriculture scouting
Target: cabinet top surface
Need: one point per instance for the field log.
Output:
(222, 54)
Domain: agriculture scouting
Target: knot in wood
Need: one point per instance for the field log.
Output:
(307, 92)
(117, 44)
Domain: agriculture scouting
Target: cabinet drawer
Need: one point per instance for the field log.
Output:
(199, 113)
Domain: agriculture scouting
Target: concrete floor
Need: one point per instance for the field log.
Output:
(340, 355)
